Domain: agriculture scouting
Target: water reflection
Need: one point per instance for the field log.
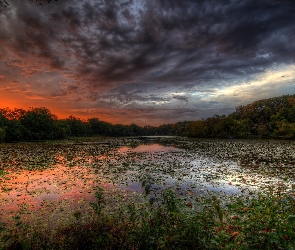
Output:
(33, 188)
(70, 172)
(149, 148)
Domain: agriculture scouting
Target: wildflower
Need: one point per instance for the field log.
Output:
(234, 234)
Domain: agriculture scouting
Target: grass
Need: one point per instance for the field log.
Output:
(165, 221)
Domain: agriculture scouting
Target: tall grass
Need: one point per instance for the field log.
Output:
(165, 221)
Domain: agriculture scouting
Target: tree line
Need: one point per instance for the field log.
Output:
(267, 118)
(41, 124)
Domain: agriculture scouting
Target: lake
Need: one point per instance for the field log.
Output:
(49, 179)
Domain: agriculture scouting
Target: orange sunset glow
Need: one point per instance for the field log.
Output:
(144, 62)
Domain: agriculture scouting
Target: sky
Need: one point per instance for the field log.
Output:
(147, 62)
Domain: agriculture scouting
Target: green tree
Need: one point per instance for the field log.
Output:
(99, 127)
(262, 130)
(39, 124)
(242, 128)
(9, 120)
(78, 127)
(198, 129)
(2, 134)
(3, 119)
(134, 130)
(120, 130)
(14, 130)
(284, 130)
(62, 129)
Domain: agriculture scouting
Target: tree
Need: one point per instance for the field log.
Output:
(12, 114)
(97, 126)
(14, 131)
(135, 130)
(78, 127)
(262, 130)
(9, 120)
(2, 134)
(284, 130)
(39, 124)
(62, 129)
(105, 128)
(198, 129)
(242, 128)
(3, 119)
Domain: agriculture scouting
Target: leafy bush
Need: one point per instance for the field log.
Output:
(266, 221)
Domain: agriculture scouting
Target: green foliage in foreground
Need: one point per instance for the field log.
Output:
(167, 222)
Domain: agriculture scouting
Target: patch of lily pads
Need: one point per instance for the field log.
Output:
(38, 179)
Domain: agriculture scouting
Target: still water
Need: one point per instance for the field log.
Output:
(66, 174)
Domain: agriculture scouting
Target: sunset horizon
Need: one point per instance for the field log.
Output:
(145, 62)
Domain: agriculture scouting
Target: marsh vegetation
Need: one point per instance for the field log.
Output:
(147, 193)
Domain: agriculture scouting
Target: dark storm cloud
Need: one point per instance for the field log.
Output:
(180, 98)
(146, 51)
(185, 31)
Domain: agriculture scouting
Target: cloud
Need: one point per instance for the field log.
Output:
(134, 55)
